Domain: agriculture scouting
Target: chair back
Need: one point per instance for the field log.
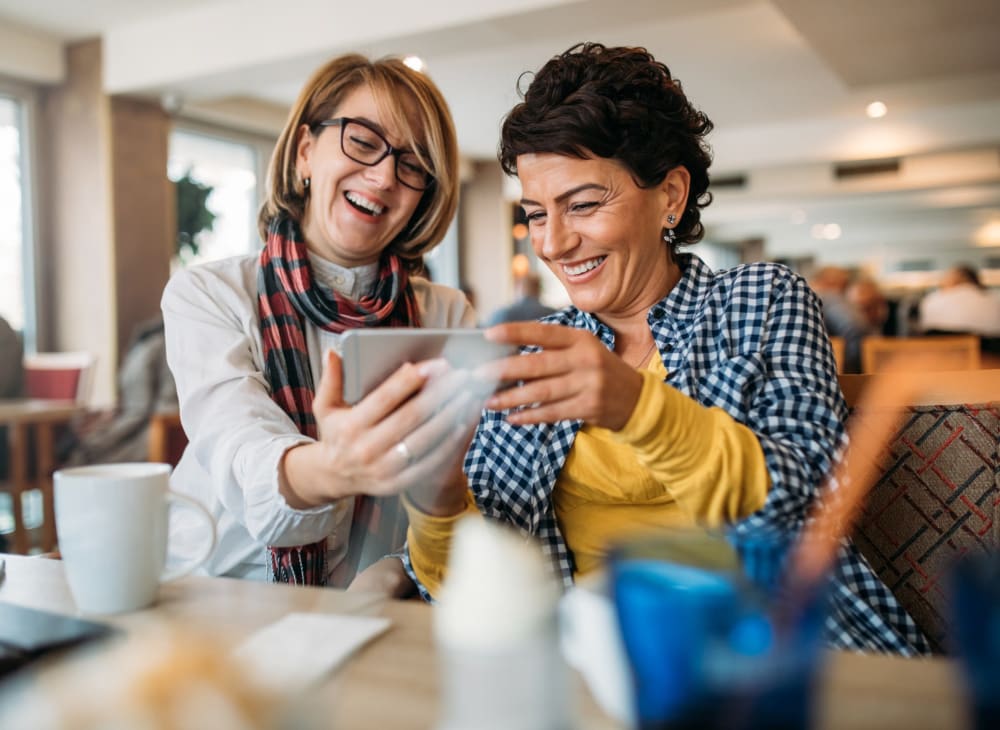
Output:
(937, 495)
(167, 439)
(950, 352)
(59, 375)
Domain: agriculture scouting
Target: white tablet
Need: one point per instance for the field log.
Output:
(371, 355)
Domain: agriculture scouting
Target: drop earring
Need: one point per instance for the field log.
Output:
(306, 181)
(669, 234)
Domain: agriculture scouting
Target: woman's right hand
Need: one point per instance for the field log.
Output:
(410, 432)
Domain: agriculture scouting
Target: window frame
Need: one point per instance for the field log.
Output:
(261, 145)
(26, 97)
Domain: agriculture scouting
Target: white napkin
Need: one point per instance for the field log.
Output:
(592, 644)
(302, 648)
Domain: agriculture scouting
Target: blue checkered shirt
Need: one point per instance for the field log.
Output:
(750, 341)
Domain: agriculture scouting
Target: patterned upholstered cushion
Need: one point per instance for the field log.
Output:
(938, 498)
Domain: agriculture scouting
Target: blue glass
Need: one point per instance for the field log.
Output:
(763, 555)
(975, 585)
(715, 647)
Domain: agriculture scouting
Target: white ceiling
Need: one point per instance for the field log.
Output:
(785, 81)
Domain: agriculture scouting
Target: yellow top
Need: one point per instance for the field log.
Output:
(617, 483)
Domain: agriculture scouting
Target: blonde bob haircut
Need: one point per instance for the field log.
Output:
(411, 104)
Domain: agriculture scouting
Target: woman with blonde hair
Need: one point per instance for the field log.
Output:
(362, 183)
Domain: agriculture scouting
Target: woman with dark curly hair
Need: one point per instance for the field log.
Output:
(668, 394)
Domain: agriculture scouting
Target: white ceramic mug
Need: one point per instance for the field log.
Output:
(111, 521)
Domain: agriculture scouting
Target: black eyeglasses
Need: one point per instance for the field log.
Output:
(362, 143)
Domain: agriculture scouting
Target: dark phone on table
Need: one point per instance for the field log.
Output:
(28, 633)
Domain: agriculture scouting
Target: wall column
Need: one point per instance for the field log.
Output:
(77, 311)
(143, 211)
(106, 216)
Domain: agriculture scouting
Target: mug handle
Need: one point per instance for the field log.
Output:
(183, 570)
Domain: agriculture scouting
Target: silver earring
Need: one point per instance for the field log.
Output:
(671, 219)
(305, 183)
(669, 235)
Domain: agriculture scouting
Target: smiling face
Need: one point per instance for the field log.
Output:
(600, 233)
(353, 211)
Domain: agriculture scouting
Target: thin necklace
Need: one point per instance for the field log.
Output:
(645, 358)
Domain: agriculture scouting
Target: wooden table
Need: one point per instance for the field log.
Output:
(24, 417)
(394, 683)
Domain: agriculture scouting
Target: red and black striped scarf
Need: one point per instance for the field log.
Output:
(287, 298)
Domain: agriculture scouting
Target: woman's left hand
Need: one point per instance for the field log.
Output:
(385, 577)
(573, 377)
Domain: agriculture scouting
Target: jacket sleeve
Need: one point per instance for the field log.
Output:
(711, 464)
(235, 431)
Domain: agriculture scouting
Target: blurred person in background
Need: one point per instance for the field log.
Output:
(11, 362)
(362, 183)
(145, 387)
(839, 315)
(11, 386)
(526, 305)
(961, 304)
(668, 395)
(867, 299)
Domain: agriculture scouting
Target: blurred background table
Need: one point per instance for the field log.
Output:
(393, 682)
(31, 424)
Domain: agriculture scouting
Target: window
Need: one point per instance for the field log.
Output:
(17, 289)
(230, 168)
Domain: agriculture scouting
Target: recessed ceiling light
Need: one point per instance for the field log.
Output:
(988, 235)
(415, 62)
(876, 110)
(825, 231)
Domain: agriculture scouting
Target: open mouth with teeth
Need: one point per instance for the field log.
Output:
(363, 204)
(584, 266)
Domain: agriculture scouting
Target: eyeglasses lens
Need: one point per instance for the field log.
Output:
(368, 147)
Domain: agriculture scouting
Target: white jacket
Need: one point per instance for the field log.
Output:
(237, 434)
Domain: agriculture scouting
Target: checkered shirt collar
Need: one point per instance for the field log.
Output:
(671, 318)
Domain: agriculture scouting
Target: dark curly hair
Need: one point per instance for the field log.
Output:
(617, 103)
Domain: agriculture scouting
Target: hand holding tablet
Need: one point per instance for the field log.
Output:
(371, 355)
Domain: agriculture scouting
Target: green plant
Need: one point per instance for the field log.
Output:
(193, 215)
